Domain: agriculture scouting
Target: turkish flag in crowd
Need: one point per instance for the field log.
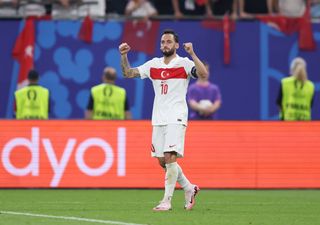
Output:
(289, 25)
(86, 30)
(227, 26)
(141, 35)
(23, 50)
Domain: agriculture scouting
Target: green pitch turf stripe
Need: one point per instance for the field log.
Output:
(68, 218)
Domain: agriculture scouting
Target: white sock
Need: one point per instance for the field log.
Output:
(170, 180)
(183, 180)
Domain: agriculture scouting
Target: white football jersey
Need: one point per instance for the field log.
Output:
(170, 84)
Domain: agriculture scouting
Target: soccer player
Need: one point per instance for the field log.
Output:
(170, 76)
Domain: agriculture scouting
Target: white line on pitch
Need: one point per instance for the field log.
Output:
(68, 218)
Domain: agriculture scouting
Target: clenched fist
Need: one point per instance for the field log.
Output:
(188, 48)
(124, 48)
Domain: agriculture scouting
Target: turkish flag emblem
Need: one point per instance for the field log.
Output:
(141, 35)
(168, 73)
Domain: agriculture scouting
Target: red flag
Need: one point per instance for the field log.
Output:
(23, 50)
(86, 30)
(289, 25)
(226, 39)
(286, 25)
(141, 35)
(226, 26)
(306, 39)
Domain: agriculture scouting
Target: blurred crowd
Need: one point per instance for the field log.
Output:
(179, 9)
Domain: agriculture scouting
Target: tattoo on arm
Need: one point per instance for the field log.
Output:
(127, 70)
(124, 64)
(133, 72)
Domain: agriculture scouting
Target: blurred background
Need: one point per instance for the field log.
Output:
(248, 45)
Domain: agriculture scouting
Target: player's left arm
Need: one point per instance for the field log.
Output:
(200, 68)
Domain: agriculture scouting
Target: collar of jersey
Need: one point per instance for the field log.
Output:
(175, 58)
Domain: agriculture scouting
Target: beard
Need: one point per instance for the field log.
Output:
(168, 53)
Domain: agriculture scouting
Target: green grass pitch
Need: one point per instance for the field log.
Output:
(124, 207)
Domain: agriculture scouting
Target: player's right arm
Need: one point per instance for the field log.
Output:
(127, 71)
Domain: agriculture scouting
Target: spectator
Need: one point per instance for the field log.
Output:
(296, 93)
(108, 101)
(290, 8)
(65, 9)
(315, 8)
(115, 7)
(247, 8)
(32, 102)
(191, 7)
(164, 7)
(8, 7)
(35, 8)
(140, 8)
(96, 10)
(221, 7)
(204, 99)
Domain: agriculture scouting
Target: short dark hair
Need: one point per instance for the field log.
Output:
(170, 31)
(33, 75)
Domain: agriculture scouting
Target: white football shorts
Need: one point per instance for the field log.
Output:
(168, 138)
